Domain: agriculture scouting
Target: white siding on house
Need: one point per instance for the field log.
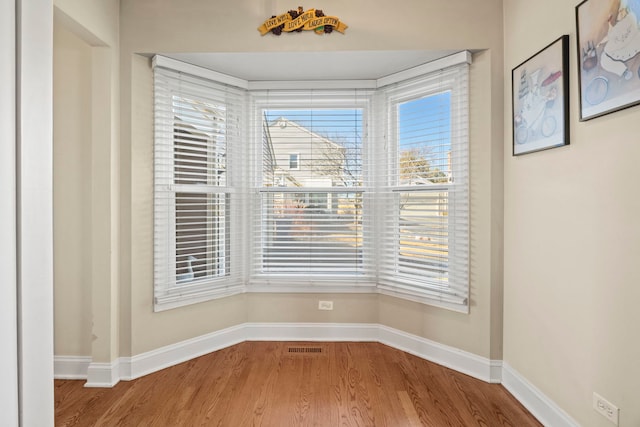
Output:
(320, 161)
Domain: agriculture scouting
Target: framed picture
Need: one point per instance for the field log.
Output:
(608, 56)
(540, 99)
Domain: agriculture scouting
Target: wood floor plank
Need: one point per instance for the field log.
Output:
(427, 381)
(391, 388)
(413, 419)
(317, 384)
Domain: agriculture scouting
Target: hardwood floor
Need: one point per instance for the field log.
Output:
(294, 384)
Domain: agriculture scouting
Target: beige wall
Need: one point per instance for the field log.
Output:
(292, 308)
(95, 21)
(86, 140)
(71, 193)
(178, 26)
(572, 243)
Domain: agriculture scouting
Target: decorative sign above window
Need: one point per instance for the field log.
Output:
(298, 20)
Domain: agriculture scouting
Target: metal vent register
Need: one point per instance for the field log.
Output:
(305, 349)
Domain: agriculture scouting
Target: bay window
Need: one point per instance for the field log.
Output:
(297, 190)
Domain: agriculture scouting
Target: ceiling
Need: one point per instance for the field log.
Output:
(299, 66)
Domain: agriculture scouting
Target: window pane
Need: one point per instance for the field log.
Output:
(201, 230)
(201, 217)
(312, 148)
(199, 142)
(293, 161)
(311, 233)
(423, 252)
(424, 160)
(424, 140)
(315, 228)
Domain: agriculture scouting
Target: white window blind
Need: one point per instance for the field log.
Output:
(309, 221)
(423, 228)
(358, 190)
(197, 129)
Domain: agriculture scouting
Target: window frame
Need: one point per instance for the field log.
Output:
(301, 100)
(454, 296)
(168, 291)
(297, 161)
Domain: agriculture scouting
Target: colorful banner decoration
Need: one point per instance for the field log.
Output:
(299, 20)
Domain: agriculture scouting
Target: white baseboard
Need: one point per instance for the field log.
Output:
(495, 371)
(128, 368)
(543, 408)
(71, 367)
(164, 357)
(103, 374)
(468, 363)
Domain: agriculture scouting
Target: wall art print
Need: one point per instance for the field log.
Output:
(540, 99)
(608, 56)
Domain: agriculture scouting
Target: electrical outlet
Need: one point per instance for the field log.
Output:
(605, 408)
(325, 305)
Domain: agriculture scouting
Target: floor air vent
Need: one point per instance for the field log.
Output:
(305, 349)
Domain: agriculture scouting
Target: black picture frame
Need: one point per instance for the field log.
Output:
(608, 46)
(540, 99)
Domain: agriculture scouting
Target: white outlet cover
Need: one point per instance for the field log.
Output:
(325, 305)
(606, 408)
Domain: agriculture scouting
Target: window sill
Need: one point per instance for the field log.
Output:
(310, 288)
(297, 287)
(168, 302)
